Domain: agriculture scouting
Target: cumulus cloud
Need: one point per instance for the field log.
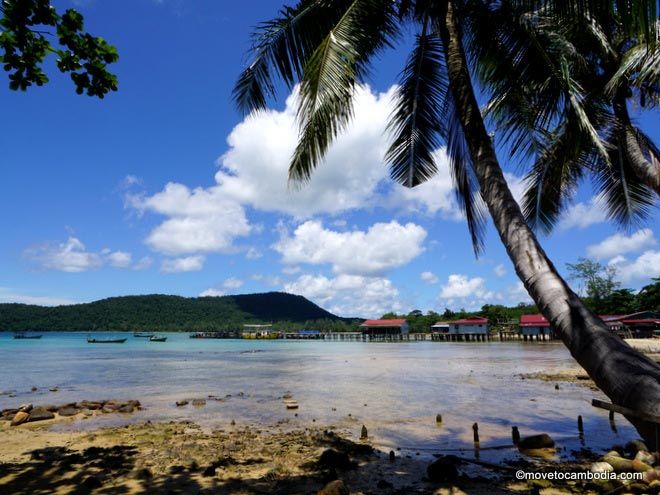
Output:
(619, 244)
(461, 286)
(120, 259)
(499, 270)
(382, 247)
(582, 215)
(253, 254)
(233, 283)
(429, 277)
(143, 263)
(212, 293)
(200, 221)
(185, 264)
(348, 295)
(8, 295)
(642, 269)
(69, 256)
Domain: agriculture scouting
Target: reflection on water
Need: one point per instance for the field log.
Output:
(394, 389)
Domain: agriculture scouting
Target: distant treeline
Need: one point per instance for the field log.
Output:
(617, 302)
(175, 313)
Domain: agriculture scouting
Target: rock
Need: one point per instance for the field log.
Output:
(93, 405)
(619, 464)
(68, 411)
(646, 457)
(19, 418)
(50, 407)
(54, 389)
(336, 487)
(601, 467)
(542, 441)
(334, 459)
(92, 482)
(34, 389)
(638, 488)
(364, 434)
(291, 404)
(180, 403)
(438, 418)
(128, 408)
(135, 403)
(40, 414)
(176, 469)
(87, 412)
(635, 446)
(107, 409)
(442, 470)
(25, 408)
(199, 402)
(640, 466)
(654, 487)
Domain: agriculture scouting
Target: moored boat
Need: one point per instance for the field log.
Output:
(143, 335)
(105, 341)
(153, 338)
(26, 336)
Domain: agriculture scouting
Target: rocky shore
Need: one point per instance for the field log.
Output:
(181, 457)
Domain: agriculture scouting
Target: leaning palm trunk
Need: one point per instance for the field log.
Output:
(647, 169)
(625, 375)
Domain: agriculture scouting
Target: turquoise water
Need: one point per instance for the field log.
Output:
(394, 389)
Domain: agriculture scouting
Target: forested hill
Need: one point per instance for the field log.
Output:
(162, 313)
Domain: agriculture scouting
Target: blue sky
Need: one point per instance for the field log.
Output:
(163, 187)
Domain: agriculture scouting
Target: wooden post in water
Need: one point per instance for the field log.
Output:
(580, 425)
(515, 435)
(475, 433)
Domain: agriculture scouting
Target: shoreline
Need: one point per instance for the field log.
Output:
(180, 457)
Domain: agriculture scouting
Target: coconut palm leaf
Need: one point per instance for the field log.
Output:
(284, 44)
(330, 75)
(640, 67)
(414, 120)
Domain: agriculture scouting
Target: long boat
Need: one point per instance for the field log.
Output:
(153, 338)
(24, 336)
(143, 335)
(105, 341)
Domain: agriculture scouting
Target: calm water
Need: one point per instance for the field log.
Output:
(403, 385)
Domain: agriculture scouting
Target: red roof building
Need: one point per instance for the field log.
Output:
(535, 325)
(534, 321)
(385, 327)
(472, 325)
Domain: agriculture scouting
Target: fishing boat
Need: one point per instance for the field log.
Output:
(143, 335)
(26, 336)
(153, 338)
(105, 341)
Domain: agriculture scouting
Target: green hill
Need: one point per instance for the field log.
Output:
(172, 313)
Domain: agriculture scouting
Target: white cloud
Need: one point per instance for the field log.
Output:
(269, 280)
(290, 270)
(429, 277)
(619, 244)
(8, 295)
(253, 254)
(233, 283)
(383, 247)
(143, 263)
(200, 221)
(459, 286)
(348, 295)
(212, 293)
(120, 259)
(582, 215)
(517, 294)
(642, 269)
(70, 256)
(186, 264)
(499, 270)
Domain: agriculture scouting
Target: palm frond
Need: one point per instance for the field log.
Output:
(639, 67)
(414, 119)
(627, 198)
(330, 75)
(284, 44)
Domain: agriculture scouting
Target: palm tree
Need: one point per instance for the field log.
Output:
(560, 91)
(327, 46)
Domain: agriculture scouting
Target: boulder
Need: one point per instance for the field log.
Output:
(442, 470)
(336, 487)
(128, 408)
(68, 411)
(199, 402)
(635, 446)
(601, 467)
(646, 457)
(182, 403)
(25, 407)
(93, 405)
(50, 407)
(333, 459)
(542, 441)
(108, 409)
(640, 466)
(40, 414)
(619, 464)
(19, 418)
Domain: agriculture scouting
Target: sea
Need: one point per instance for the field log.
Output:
(395, 389)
